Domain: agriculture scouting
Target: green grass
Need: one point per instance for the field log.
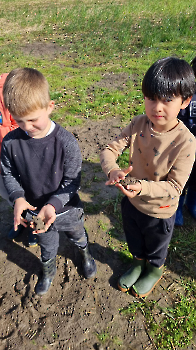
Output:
(174, 326)
(95, 42)
(183, 247)
(103, 336)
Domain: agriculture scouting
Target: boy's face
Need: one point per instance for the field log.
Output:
(36, 124)
(163, 113)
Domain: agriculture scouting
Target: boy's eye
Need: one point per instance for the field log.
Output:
(168, 99)
(150, 99)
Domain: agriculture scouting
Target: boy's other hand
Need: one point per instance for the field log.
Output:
(131, 190)
(116, 175)
(20, 205)
(48, 216)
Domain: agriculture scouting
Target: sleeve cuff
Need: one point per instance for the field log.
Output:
(16, 195)
(56, 203)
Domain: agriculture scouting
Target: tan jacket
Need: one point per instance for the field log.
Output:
(162, 161)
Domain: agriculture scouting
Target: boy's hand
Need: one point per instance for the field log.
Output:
(48, 216)
(20, 205)
(116, 175)
(131, 190)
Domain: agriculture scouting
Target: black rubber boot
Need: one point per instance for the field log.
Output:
(88, 263)
(49, 271)
(130, 277)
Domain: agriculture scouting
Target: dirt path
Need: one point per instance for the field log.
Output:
(75, 314)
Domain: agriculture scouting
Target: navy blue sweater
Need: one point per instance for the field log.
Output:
(46, 170)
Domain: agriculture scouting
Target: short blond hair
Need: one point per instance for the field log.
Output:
(25, 90)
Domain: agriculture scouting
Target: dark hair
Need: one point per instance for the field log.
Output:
(169, 77)
(193, 65)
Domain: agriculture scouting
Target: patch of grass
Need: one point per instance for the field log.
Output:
(124, 253)
(177, 324)
(103, 336)
(55, 336)
(183, 248)
(102, 225)
(123, 160)
(94, 41)
(114, 240)
(113, 207)
(97, 179)
(95, 193)
(115, 233)
(66, 119)
(117, 341)
(91, 208)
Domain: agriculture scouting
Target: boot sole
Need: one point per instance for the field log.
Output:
(33, 245)
(91, 275)
(124, 290)
(43, 293)
(146, 294)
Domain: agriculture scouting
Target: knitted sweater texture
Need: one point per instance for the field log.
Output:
(162, 161)
(45, 170)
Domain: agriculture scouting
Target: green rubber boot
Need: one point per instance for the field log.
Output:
(148, 281)
(130, 277)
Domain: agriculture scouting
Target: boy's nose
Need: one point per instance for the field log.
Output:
(26, 126)
(157, 106)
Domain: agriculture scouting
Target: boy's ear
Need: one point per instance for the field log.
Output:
(51, 106)
(186, 102)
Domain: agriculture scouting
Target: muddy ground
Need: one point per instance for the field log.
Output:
(76, 313)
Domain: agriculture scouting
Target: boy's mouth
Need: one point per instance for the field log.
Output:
(157, 116)
(32, 132)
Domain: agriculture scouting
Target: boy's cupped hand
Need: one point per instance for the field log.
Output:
(47, 215)
(131, 190)
(20, 205)
(116, 175)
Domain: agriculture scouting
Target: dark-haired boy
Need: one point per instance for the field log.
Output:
(41, 170)
(162, 152)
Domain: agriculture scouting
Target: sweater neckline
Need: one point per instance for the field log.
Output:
(42, 139)
(169, 132)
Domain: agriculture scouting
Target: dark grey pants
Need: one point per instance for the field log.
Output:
(71, 222)
(147, 237)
